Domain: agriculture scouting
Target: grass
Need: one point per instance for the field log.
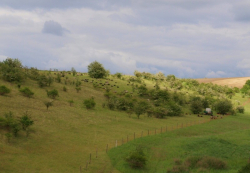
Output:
(63, 137)
(225, 139)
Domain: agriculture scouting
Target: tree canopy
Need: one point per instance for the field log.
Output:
(96, 70)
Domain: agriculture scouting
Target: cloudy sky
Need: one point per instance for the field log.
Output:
(187, 38)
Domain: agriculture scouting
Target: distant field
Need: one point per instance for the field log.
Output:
(234, 81)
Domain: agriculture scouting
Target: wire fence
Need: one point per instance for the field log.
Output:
(134, 136)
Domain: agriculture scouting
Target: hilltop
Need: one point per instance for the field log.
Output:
(233, 82)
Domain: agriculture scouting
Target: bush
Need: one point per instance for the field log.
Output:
(245, 169)
(174, 109)
(223, 106)
(65, 89)
(26, 92)
(240, 109)
(211, 163)
(4, 90)
(53, 93)
(137, 159)
(89, 103)
(11, 70)
(43, 81)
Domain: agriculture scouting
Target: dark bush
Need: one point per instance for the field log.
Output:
(26, 92)
(245, 169)
(89, 103)
(137, 159)
(4, 90)
(52, 94)
(241, 109)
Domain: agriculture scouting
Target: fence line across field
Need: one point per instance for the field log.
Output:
(135, 136)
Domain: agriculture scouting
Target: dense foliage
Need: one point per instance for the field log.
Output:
(96, 70)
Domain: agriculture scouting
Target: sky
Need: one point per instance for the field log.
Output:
(187, 38)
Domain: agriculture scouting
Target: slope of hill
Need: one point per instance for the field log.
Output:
(233, 82)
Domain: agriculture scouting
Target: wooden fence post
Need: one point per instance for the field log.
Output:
(96, 153)
(148, 132)
(90, 158)
(155, 131)
(161, 129)
(116, 143)
(141, 133)
(166, 128)
(127, 138)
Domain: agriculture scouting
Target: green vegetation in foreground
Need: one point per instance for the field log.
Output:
(226, 139)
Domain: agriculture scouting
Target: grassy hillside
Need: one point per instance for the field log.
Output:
(62, 138)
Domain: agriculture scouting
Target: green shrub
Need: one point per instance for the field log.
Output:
(137, 159)
(78, 89)
(65, 89)
(211, 163)
(52, 94)
(4, 90)
(26, 92)
(241, 109)
(89, 103)
(245, 169)
(11, 70)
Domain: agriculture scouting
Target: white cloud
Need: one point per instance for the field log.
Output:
(217, 74)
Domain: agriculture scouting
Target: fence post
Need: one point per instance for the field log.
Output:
(161, 129)
(148, 132)
(177, 125)
(134, 135)
(166, 128)
(127, 138)
(141, 133)
(116, 143)
(122, 141)
(90, 158)
(182, 125)
(107, 148)
(96, 153)
(155, 131)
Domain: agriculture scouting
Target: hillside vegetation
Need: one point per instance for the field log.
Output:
(51, 121)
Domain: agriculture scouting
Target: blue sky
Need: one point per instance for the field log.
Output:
(187, 38)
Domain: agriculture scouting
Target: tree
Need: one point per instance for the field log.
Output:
(48, 104)
(196, 105)
(223, 106)
(140, 108)
(73, 70)
(11, 70)
(96, 70)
